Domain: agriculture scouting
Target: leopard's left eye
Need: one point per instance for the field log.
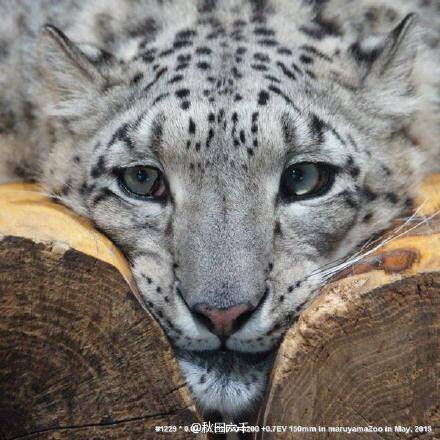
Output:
(143, 182)
(305, 180)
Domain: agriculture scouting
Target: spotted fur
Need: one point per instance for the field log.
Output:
(221, 95)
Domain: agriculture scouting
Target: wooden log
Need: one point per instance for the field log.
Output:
(79, 357)
(367, 350)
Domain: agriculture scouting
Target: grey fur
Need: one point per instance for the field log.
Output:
(222, 96)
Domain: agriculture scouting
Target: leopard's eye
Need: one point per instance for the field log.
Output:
(305, 180)
(143, 182)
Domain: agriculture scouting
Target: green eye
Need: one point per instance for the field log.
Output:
(304, 180)
(142, 182)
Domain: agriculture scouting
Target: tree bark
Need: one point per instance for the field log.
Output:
(366, 352)
(79, 356)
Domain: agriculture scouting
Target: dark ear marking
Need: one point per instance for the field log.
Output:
(363, 56)
(393, 55)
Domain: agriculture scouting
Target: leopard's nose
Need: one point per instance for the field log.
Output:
(223, 322)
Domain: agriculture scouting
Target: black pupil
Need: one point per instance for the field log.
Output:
(141, 176)
(297, 175)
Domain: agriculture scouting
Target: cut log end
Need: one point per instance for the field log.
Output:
(360, 359)
(79, 357)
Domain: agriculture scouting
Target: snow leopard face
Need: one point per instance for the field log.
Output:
(234, 162)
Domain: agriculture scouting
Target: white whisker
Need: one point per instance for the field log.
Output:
(327, 273)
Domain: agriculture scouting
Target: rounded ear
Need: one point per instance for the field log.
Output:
(71, 77)
(385, 64)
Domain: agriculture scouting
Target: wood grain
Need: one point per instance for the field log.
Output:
(79, 356)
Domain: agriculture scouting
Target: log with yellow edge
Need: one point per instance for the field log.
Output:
(81, 358)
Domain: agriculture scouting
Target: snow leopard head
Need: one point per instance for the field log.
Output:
(235, 161)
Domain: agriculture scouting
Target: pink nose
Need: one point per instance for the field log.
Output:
(224, 322)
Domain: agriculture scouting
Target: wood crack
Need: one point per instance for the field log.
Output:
(95, 425)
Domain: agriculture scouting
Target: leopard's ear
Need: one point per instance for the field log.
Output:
(71, 77)
(386, 66)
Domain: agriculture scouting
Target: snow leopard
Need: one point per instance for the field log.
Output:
(234, 150)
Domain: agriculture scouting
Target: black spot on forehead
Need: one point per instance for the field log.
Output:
(176, 78)
(260, 67)
(306, 59)
(165, 53)
(182, 93)
(262, 30)
(203, 51)
(182, 43)
(182, 66)
(203, 65)
(264, 58)
(192, 126)
(263, 97)
(184, 58)
(320, 28)
(268, 42)
(206, 6)
(185, 34)
(210, 136)
(137, 78)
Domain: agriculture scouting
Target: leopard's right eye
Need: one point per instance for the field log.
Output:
(144, 182)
